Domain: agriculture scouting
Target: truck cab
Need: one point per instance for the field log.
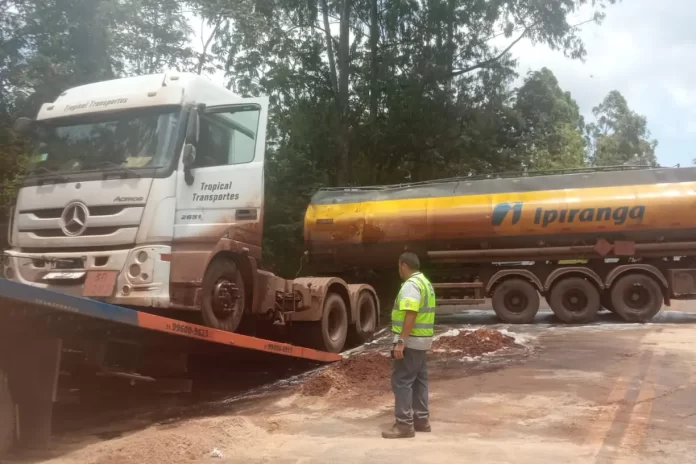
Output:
(148, 192)
(131, 186)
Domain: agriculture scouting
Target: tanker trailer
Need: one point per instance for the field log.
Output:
(622, 238)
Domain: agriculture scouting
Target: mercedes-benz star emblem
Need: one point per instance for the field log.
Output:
(74, 219)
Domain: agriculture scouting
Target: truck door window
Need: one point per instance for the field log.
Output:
(228, 137)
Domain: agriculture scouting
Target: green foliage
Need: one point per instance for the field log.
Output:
(620, 136)
(552, 125)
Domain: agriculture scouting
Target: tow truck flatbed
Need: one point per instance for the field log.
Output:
(36, 323)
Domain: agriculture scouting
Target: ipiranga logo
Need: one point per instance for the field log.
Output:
(545, 217)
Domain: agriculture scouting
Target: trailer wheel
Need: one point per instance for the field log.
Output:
(366, 319)
(7, 415)
(516, 301)
(575, 300)
(223, 300)
(329, 333)
(636, 297)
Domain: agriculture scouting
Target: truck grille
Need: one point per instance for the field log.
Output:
(55, 213)
(107, 225)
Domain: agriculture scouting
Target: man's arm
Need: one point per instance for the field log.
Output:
(409, 322)
(410, 302)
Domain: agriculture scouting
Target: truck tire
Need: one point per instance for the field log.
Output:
(330, 333)
(216, 309)
(575, 300)
(516, 301)
(636, 297)
(7, 415)
(365, 319)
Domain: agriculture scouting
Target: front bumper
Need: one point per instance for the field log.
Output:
(143, 272)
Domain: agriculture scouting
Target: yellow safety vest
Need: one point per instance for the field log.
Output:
(425, 319)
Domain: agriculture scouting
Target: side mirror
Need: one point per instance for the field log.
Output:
(192, 127)
(23, 125)
(188, 159)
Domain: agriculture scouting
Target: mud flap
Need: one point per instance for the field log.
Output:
(32, 366)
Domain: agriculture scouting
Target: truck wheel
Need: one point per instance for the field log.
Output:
(223, 296)
(366, 319)
(7, 416)
(636, 297)
(516, 301)
(574, 300)
(329, 334)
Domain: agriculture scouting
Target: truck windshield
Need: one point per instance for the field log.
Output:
(132, 139)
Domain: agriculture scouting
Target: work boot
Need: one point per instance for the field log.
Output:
(399, 431)
(421, 425)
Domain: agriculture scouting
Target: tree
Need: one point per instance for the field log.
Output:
(620, 136)
(551, 124)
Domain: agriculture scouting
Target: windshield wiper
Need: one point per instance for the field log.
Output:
(118, 167)
(52, 175)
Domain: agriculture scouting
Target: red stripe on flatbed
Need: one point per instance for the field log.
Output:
(185, 329)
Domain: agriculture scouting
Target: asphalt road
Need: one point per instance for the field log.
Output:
(608, 392)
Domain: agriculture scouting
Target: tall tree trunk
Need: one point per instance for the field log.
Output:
(374, 63)
(451, 5)
(332, 58)
(344, 168)
(204, 53)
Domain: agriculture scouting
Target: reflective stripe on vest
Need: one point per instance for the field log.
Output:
(425, 309)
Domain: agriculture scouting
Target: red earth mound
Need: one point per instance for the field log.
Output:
(369, 374)
(475, 343)
(363, 373)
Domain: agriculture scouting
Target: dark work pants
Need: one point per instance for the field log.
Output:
(410, 386)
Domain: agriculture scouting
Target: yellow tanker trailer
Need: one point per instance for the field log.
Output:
(629, 232)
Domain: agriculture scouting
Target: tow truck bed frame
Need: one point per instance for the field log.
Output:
(35, 322)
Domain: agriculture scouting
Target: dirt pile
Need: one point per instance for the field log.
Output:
(369, 375)
(362, 374)
(474, 343)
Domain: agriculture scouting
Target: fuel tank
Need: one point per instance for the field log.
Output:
(368, 227)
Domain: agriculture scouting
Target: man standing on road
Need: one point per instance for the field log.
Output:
(413, 321)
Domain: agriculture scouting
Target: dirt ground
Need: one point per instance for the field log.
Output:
(606, 393)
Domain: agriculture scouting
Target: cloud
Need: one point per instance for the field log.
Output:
(645, 50)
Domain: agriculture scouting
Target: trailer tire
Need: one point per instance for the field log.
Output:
(330, 333)
(515, 301)
(7, 415)
(575, 300)
(365, 318)
(636, 297)
(215, 314)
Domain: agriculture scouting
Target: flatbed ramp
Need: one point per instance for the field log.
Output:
(36, 325)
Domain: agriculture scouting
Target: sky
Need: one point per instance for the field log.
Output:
(646, 49)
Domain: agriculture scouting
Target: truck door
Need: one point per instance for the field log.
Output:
(225, 200)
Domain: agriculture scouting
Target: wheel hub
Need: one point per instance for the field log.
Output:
(637, 297)
(575, 300)
(225, 297)
(515, 302)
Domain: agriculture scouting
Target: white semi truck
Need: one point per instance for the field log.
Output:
(148, 192)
